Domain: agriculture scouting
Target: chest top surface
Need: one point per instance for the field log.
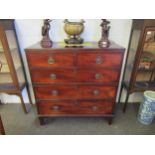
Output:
(91, 46)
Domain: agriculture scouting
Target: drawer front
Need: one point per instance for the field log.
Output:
(97, 92)
(72, 92)
(53, 76)
(46, 59)
(97, 75)
(55, 92)
(74, 108)
(111, 59)
(69, 75)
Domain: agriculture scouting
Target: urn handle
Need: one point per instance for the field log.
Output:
(80, 22)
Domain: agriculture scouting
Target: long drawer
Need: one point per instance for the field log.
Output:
(74, 75)
(74, 107)
(74, 92)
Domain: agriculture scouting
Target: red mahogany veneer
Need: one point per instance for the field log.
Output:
(75, 81)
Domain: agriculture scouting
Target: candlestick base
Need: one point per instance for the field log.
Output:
(104, 43)
(46, 43)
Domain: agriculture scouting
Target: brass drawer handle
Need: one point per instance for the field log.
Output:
(96, 92)
(55, 93)
(51, 60)
(55, 108)
(98, 76)
(94, 108)
(76, 103)
(99, 60)
(53, 76)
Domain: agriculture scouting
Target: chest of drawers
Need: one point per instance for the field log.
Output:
(75, 81)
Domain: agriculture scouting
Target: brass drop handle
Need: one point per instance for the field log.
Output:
(53, 76)
(96, 92)
(55, 108)
(94, 108)
(98, 76)
(76, 103)
(99, 60)
(51, 60)
(55, 93)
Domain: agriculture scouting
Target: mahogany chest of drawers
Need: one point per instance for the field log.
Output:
(75, 81)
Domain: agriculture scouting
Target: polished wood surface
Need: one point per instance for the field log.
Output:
(55, 92)
(47, 59)
(97, 92)
(60, 46)
(74, 92)
(46, 76)
(97, 75)
(97, 59)
(74, 107)
(75, 81)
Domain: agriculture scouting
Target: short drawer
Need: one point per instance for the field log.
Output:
(74, 108)
(97, 75)
(110, 60)
(46, 59)
(53, 76)
(55, 92)
(97, 92)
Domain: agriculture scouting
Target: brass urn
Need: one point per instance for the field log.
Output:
(73, 30)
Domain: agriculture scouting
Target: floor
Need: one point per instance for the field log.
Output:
(18, 123)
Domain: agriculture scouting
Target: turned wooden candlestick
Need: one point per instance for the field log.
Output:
(46, 42)
(104, 41)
